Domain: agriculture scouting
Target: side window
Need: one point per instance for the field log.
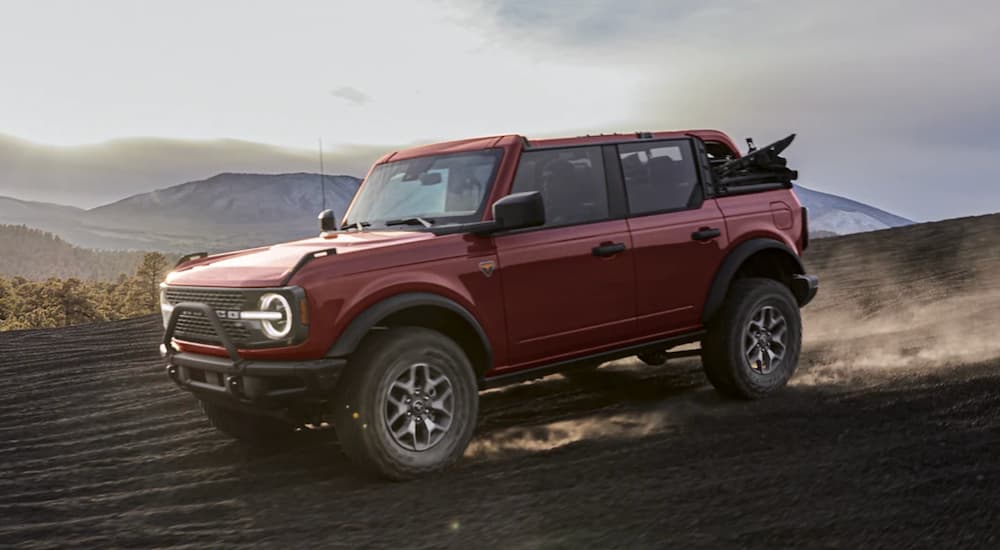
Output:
(571, 182)
(659, 176)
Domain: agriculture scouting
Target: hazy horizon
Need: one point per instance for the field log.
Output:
(91, 175)
(890, 99)
(107, 195)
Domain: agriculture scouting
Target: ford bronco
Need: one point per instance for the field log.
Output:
(470, 264)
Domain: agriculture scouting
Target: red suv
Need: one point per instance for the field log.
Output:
(470, 264)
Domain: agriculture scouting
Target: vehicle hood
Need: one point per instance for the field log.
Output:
(269, 266)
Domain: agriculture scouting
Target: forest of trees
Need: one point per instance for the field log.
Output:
(38, 255)
(57, 302)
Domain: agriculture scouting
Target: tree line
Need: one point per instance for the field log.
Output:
(38, 255)
(56, 302)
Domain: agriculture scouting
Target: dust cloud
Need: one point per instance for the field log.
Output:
(559, 434)
(849, 344)
(902, 328)
(895, 304)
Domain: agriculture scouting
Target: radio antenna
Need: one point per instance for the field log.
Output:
(322, 175)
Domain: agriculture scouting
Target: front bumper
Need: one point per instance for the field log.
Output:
(259, 384)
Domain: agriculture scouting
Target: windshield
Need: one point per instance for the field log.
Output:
(435, 189)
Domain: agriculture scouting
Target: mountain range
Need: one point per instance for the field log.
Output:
(94, 174)
(229, 211)
(225, 212)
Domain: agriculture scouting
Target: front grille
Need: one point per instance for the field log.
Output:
(194, 327)
(218, 299)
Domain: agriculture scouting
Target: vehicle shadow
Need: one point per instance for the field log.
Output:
(315, 455)
(624, 393)
(617, 386)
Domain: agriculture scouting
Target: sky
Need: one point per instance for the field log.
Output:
(896, 103)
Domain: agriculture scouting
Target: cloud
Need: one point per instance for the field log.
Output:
(592, 25)
(351, 95)
(896, 102)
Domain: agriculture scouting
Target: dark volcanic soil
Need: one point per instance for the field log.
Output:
(887, 437)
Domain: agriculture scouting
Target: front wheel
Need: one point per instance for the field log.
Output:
(407, 403)
(753, 343)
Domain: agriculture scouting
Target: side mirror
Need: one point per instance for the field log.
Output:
(327, 221)
(519, 210)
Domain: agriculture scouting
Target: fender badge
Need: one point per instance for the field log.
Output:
(488, 267)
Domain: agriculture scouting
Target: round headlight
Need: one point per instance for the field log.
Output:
(276, 329)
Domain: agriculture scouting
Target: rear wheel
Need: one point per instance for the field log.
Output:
(407, 403)
(253, 430)
(753, 343)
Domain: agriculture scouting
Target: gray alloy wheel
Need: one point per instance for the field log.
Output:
(763, 338)
(753, 342)
(407, 403)
(419, 407)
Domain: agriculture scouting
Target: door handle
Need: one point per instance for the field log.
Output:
(608, 249)
(706, 233)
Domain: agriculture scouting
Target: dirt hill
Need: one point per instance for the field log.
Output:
(887, 437)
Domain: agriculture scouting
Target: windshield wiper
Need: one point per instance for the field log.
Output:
(415, 220)
(358, 226)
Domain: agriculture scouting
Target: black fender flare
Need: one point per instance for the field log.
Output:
(350, 339)
(724, 276)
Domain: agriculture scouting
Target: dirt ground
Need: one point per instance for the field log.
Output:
(887, 437)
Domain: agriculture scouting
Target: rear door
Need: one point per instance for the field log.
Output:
(568, 286)
(679, 236)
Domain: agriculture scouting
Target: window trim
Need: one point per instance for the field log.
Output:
(612, 142)
(699, 184)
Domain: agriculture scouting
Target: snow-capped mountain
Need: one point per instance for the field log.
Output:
(835, 215)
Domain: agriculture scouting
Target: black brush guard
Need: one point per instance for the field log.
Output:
(239, 381)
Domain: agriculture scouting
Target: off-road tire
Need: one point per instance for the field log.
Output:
(249, 429)
(363, 402)
(724, 348)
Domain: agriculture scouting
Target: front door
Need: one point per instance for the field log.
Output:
(569, 286)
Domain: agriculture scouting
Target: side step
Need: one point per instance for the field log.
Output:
(603, 357)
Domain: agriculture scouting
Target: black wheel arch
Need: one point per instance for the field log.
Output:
(420, 309)
(757, 257)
